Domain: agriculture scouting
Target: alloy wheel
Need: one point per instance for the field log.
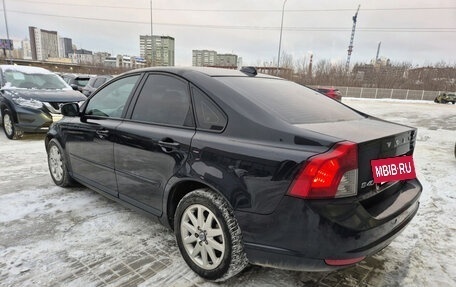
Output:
(202, 236)
(56, 163)
(8, 124)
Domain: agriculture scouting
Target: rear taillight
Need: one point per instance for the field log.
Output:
(328, 175)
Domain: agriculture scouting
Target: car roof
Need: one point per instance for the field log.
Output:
(209, 71)
(75, 76)
(25, 69)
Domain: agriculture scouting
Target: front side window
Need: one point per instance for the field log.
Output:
(164, 100)
(111, 100)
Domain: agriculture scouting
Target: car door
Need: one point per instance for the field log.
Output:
(90, 139)
(154, 142)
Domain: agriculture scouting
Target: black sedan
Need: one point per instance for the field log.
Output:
(30, 99)
(245, 168)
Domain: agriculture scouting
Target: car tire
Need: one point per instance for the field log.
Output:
(213, 250)
(58, 165)
(9, 128)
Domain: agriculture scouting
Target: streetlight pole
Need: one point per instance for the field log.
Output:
(7, 31)
(151, 37)
(280, 39)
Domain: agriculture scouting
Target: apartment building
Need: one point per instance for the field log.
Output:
(44, 44)
(157, 50)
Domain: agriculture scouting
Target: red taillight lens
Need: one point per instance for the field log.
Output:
(328, 175)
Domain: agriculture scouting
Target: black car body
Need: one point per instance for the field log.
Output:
(76, 82)
(30, 99)
(94, 83)
(244, 167)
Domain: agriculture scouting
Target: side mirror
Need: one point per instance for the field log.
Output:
(70, 110)
(74, 87)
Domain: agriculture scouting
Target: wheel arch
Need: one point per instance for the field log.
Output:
(178, 188)
(53, 133)
(47, 139)
(6, 106)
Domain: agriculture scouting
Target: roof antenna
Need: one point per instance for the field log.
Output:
(249, 71)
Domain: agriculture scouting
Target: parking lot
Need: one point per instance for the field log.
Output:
(50, 236)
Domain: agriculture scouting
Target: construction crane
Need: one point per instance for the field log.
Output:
(350, 47)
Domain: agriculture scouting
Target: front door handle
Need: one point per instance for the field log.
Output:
(168, 145)
(102, 133)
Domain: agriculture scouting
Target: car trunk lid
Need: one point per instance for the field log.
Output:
(376, 139)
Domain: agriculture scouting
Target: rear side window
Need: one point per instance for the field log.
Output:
(208, 115)
(292, 102)
(164, 100)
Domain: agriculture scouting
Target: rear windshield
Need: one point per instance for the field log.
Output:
(292, 102)
(81, 81)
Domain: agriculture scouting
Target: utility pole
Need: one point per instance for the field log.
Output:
(350, 47)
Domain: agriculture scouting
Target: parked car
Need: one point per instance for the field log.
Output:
(77, 82)
(94, 83)
(331, 92)
(445, 98)
(30, 99)
(244, 167)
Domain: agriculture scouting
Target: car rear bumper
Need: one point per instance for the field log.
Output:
(301, 235)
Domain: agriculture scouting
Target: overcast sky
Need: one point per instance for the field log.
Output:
(420, 32)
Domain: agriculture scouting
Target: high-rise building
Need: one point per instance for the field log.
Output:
(202, 58)
(209, 58)
(162, 48)
(227, 60)
(65, 47)
(44, 44)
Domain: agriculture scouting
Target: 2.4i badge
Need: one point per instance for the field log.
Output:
(392, 169)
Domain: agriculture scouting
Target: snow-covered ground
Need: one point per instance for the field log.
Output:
(51, 236)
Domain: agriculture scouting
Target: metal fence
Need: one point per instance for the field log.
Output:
(374, 93)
